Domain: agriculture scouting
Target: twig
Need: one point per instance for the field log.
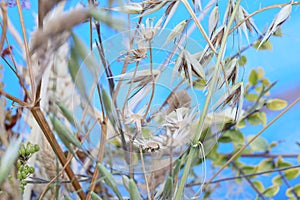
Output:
(4, 25)
(144, 172)
(192, 13)
(26, 50)
(14, 99)
(197, 136)
(99, 157)
(246, 175)
(250, 141)
(266, 155)
(249, 181)
(261, 10)
(282, 176)
(125, 64)
(42, 122)
(153, 81)
(69, 158)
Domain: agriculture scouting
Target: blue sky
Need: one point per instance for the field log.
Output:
(282, 64)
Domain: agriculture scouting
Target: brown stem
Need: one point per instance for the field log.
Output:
(42, 122)
(14, 99)
(26, 48)
(256, 136)
(4, 25)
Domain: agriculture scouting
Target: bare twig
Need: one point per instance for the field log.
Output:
(192, 13)
(250, 141)
(26, 50)
(4, 24)
(99, 157)
(261, 10)
(145, 175)
(42, 122)
(243, 176)
(249, 181)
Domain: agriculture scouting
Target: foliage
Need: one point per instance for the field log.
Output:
(139, 114)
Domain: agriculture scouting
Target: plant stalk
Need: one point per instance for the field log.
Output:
(195, 142)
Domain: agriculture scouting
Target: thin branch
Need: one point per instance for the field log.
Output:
(197, 136)
(283, 178)
(14, 99)
(69, 159)
(261, 10)
(42, 122)
(99, 157)
(267, 155)
(250, 141)
(26, 48)
(243, 176)
(153, 80)
(144, 172)
(192, 13)
(4, 24)
(249, 181)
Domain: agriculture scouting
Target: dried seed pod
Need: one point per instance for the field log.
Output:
(178, 100)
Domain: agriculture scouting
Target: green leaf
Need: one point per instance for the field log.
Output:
(86, 56)
(278, 33)
(249, 169)
(94, 196)
(237, 137)
(273, 144)
(109, 180)
(263, 117)
(199, 84)
(76, 73)
(251, 97)
(289, 192)
(277, 180)
(225, 138)
(265, 165)
(271, 191)
(253, 77)
(297, 189)
(67, 197)
(260, 73)
(267, 45)
(125, 181)
(242, 61)
(66, 112)
(221, 160)
(255, 119)
(259, 186)
(241, 124)
(280, 163)
(9, 157)
(107, 19)
(168, 189)
(259, 144)
(133, 190)
(291, 173)
(64, 133)
(265, 82)
(276, 104)
(109, 107)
